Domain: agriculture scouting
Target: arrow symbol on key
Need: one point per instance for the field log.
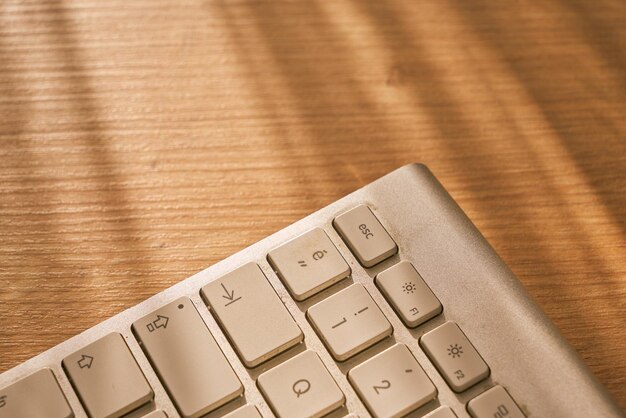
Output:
(161, 321)
(230, 296)
(85, 361)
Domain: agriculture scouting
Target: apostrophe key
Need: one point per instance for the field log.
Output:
(255, 319)
(35, 396)
(365, 235)
(107, 378)
(187, 359)
(392, 383)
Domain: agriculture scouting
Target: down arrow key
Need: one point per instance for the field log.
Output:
(230, 296)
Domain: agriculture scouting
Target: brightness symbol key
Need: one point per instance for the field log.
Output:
(409, 294)
(454, 356)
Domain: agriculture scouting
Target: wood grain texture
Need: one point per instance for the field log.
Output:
(143, 141)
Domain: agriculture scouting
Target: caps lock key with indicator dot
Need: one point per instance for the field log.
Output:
(107, 378)
(365, 236)
(185, 356)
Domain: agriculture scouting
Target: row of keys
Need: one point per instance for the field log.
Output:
(40, 396)
(311, 263)
(392, 384)
(403, 388)
(199, 379)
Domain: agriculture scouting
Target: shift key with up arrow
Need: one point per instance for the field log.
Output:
(105, 394)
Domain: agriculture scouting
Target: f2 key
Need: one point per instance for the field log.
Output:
(454, 356)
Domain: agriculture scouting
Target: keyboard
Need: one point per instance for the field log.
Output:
(386, 303)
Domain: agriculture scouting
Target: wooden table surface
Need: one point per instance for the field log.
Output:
(141, 141)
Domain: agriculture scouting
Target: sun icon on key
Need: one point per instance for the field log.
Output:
(408, 287)
(455, 350)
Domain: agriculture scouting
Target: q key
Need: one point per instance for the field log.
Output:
(301, 387)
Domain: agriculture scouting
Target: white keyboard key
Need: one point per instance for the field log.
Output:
(454, 356)
(365, 236)
(301, 387)
(35, 396)
(392, 383)
(349, 322)
(495, 403)
(107, 378)
(441, 412)
(255, 319)
(407, 292)
(247, 411)
(156, 414)
(184, 354)
(308, 264)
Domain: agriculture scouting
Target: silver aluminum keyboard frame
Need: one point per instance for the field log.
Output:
(524, 350)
